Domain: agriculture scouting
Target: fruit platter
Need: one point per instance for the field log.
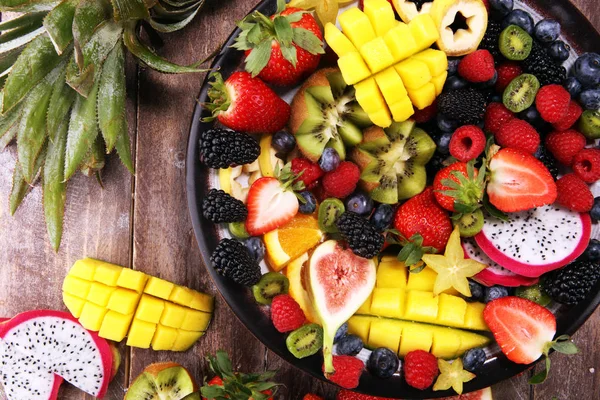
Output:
(402, 197)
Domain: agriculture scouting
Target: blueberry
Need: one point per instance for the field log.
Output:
(494, 292)
(573, 86)
(360, 203)
(476, 291)
(587, 69)
(593, 250)
(443, 143)
(501, 7)
(256, 247)
(455, 82)
(453, 66)
(382, 217)
(341, 332)
(383, 363)
(487, 84)
(350, 345)
(559, 50)
(473, 359)
(590, 99)
(520, 18)
(446, 124)
(310, 205)
(547, 30)
(496, 98)
(330, 159)
(595, 211)
(283, 142)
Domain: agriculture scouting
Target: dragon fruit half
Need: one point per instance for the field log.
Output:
(536, 241)
(39, 348)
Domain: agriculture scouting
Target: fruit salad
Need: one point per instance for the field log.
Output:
(406, 183)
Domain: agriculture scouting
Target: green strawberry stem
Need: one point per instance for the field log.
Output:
(219, 97)
(561, 344)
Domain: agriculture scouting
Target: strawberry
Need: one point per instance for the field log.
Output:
(565, 145)
(477, 67)
(574, 194)
(281, 49)
(286, 314)
(506, 73)
(518, 134)
(311, 396)
(466, 189)
(573, 114)
(246, 104)
(309, 172)
(348, 370)
(496, 115)
(349, 395)
(467, 143)
(270, 205)
(519, 181)
(342, 181)
(586, 165)
(552, 102)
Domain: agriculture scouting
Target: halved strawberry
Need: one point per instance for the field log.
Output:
(519, 181)
(270, 205)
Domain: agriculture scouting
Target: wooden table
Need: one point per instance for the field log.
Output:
(142, 221)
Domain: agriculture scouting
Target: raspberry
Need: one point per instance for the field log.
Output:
(573, 114)
(586, 165)
(518, 134)
(424, 115)
(286, 314)
(467, 143)
(477, 66)
(311, 396)
(574, 194)
(341, 182)
(311, 173)
(348, 395)
(565, 145)
(506, 73)
(347, 371)
(420, 369)
(552, 101)
(496, 115)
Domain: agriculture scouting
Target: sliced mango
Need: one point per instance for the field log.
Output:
(381, 15)
(436, 61)
(353, 68)
(400, 42)
(423, 30)
(356, 26)
(338, 42)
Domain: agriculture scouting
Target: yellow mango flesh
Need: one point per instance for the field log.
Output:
(356, 26)
(353, 68)
(400, 42)
(377, 55)
(381, 15)
(423, 96)
(338, 42)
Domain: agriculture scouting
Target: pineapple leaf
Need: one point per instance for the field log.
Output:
(124, 147)
(54, 188)
(112, 97)
(7, 60)
(20, 187)
(61, 101)
(161, 11)
(18, 43)
(175, 26)
(95, 159)
(8, 126)
(27, 5)
(33, 18)
(89, 15)
(59, 24)
(179, 3)
(126, 10)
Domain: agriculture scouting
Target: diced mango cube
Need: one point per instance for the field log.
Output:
(400, 42)
(402, 110)
(141, 334)
(365, 308)
(474, 317)
(385, 333)
(115, 326)
(84, 268)
(353, 68)
(150, 309)
(196, 321)
(181, 295)
(422, 281)
(360, 326)
(91, 316)
(172, 315)
(421, 306)
(164, 338)
(423, 96)
(377, 55)
(415, 337)
(381, 15)
(356, 26)
(107, 273)
(76, 286)
(100, 294)
(470, 340)
(436, 61)
(388, 302)
(390, 84)
(414, 73)
(381, 118)
(159, 288)
(391, 273)
(439, 81)
(202, 302)
(369, 97)
(73, 303)
(446, 343)
(123, 301)
(185, 340)
(338, 42)
(451, 310)
(423, 30)
(132, 279)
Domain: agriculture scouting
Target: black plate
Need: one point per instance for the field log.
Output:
(582, 36)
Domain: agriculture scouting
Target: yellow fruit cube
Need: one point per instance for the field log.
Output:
(84, 268)
(421, 306)
(446, 343)
(377, 55)
(76, 286)
(196, 321)
(423, 30)
(439, 81)
(164, 338)
(381, 15)
(402, 110)
(451, 310)
(159, 288)
(422, 97)
(100, 294)
(73, 303)
(141, 334)
(391, 273)
(150, 309)
(185, 340)
(172, 315)
(369, 97)
(338, 42)
(115, 326)
(390, 84)
(360, 326)
(422, 281)
(365, 308)
(202, 302)
(381, 118)
(474, 317)
(414, 73)
(436, 61)
(353, 68)
(415, 337)
(123, 301)
(400, 42)
(388, 302)
(91, 316)
(107, 273)
(470, 340)
(132, 279)
(181, 295)
(385, 333)
(356, 26)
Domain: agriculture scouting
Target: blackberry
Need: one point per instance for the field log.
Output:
(219, 207)
(543, 66)
(491, 39)
(573, 283)
(362, 237)
(466, 106)
(548, 160)
(419, 3)
(232, 259)
(223, 148)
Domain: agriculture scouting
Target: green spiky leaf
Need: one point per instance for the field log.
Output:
(95, 159)
(27, 5)
(63, 97)
(54, 187)
(89, 15)
(125, 10)
(59, 24)
(111, 97)
(20, 187)
(174, 26)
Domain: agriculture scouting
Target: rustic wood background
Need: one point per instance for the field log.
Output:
(143, 221)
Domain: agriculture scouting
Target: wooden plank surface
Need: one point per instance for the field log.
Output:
(143, 221)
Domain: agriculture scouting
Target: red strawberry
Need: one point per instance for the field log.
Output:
(574, 194)
(496, 115)
(586, 165)
(342, 181)
(247, 104)
(477, 66)
(467, 143)
(424, 115)
(286, 314)
(420, 369)
(422, 215)
(218, 381)
(275, 58)
(506, 73)
(270, 206)
(565, 145)
(470, 192)
(518, 134)
(347, 371)
(311, 396)
(348, 395)
(552, 102)
(519, 181)
(573, 114)
(312, 172)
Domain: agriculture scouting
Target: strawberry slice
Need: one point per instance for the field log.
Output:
(519, 181)
(270, 205)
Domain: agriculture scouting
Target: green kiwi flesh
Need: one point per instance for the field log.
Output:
(305, 341)
(171, 383)
(193, 396)
(589, 124)
(238, 229)
(515, 43)
(469, 224)
(329, 211)
(533, 293)
(270, 285)
(520, 93)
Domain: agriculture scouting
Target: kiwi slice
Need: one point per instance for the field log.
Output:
(165, 380)
(193, 396)
(329, 211)
(469, 224)
(589, 124)
(533, 293)
(238, 229)
(515, 43)
(520, 93)
(305, 341)
(270, 285)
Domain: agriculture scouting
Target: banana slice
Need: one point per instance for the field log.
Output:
(267, 158)
(407, 9)
(463, 41)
